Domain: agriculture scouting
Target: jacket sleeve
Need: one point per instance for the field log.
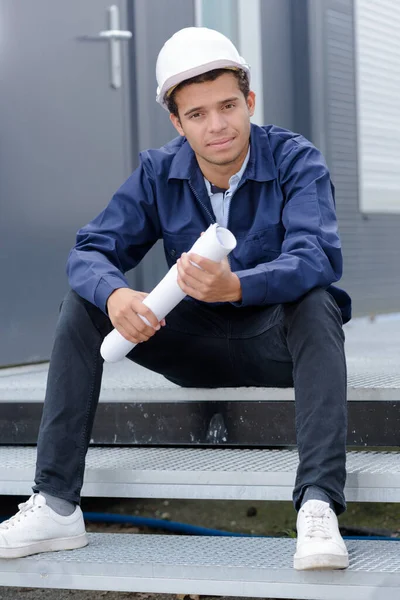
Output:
(311, 251)
(115, 241)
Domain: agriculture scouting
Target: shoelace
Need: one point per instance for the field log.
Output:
(318, 525)
(24, 507)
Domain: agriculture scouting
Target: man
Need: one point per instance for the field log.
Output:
(268, 316)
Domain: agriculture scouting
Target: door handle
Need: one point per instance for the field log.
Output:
(114, 35)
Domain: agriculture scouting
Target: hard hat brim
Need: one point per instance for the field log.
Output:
(175, 80)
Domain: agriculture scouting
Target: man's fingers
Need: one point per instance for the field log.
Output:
(137, 329)
(141, 309)
(192, 275)
(143, 327)
(142, 295)
(186, 270)
(204, 263)
(132, 323)
(124, 307)
(197, 270)
(129, 333)
(192, 282)
(189, 290)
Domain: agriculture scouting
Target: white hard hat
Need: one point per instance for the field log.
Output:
(193, 51)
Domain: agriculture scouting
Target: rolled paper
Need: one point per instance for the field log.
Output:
(215, 244)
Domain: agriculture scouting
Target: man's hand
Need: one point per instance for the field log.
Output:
(212, 282)
(124, 307)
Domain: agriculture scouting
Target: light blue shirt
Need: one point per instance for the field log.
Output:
(221, 202)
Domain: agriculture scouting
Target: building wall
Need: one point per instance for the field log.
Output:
(309, 85)
(371, 242)
(153, 21)
(309, 68)
(377, 27)
(277, 61)
(309, 71)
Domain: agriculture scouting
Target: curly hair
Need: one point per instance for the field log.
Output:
(241, 76)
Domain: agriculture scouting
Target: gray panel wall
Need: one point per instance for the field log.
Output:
(155, 21)
(309, 86)
(277, 62)
(371, 243)
(285, 56)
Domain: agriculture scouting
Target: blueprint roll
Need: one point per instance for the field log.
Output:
(215, 244)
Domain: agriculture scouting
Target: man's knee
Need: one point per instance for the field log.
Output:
(76, 312)
(316, 298)
(71, 303)
(319, 305)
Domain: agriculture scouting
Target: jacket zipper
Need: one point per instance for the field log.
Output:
(208, 212)
(200, 202)
(241, 183)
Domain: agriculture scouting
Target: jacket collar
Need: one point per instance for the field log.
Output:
(261, 166)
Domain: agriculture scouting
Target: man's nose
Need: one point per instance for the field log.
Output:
(216, 122)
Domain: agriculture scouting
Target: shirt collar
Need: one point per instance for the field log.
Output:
(235, 179)
(260, 165)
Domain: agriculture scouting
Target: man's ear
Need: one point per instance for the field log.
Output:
(251, 103)
(177, 124)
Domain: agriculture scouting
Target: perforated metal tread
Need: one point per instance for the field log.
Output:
(372, 351)
(208, 565)
(217, 473)
(127, 382)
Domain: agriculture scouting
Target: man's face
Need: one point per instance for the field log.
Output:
(215, 118)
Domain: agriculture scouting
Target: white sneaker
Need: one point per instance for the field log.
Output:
(319, 543)
(37, 528)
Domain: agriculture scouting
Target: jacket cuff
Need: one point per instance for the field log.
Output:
(106, 286)
(254, 288)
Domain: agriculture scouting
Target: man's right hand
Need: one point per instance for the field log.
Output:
(124, 307)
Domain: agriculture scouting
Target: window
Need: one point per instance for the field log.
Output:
(240, 21)
(378, 98)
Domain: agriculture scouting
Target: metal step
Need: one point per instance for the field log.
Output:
(372, 351)
(252, 567)
(138, 407)
(204, 473)
(375, 378)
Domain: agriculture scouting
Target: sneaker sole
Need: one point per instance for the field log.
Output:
(320, 562)
(71, 543)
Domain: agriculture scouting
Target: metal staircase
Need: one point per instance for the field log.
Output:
(246, 566)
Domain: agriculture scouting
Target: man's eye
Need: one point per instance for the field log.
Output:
(230, 105)
(195, 115)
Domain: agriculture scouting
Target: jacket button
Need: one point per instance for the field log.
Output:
(173, 252)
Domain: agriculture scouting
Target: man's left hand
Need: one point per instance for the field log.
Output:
(209, 281)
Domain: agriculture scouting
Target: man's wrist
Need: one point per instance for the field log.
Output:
(236, 294)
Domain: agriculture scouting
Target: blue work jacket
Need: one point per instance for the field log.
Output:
(282, 215)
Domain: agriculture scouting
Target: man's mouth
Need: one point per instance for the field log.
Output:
(222, 143)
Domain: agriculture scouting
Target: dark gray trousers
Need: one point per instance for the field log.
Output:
(299, 343)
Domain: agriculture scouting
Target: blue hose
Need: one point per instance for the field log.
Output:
(174, 526)
(184, 528)
(177, 527)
